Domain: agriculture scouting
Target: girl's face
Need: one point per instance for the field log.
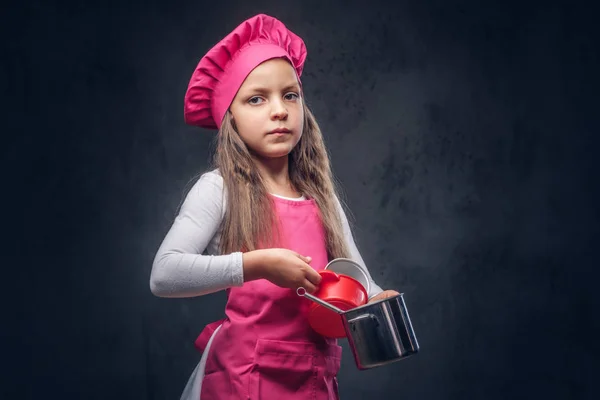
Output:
(267, 109)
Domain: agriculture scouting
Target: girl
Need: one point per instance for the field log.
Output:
(267, 217)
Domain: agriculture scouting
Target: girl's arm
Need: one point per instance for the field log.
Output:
(354, 253)
(180, 269)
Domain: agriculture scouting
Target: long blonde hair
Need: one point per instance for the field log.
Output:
(249, 215)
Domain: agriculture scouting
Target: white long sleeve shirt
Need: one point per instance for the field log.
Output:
(189, 263)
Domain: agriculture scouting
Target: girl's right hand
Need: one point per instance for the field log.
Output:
(282, 267)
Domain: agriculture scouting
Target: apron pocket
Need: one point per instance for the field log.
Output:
(293, 370)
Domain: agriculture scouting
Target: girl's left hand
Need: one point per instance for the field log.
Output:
(384, 295)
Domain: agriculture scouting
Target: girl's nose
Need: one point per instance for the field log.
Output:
(279, 111)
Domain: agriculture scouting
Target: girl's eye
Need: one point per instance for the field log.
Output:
(254, 100)
(291, 96)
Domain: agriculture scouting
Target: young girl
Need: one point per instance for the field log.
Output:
(260, 225)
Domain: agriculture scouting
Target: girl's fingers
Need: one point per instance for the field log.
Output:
(313, 276)
(309, 287)
(306, 259)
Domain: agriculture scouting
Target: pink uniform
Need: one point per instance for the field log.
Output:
(265, 348)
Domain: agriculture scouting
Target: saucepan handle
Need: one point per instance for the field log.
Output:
(302, 292)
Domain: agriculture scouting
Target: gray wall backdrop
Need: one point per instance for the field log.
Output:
(464, 134)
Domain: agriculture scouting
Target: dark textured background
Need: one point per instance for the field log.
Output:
(464, 134)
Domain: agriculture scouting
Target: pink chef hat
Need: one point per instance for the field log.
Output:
(221, 72)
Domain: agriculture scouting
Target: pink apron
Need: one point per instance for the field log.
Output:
(265, 348)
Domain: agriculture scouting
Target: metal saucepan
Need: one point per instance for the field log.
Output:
(378, 333)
